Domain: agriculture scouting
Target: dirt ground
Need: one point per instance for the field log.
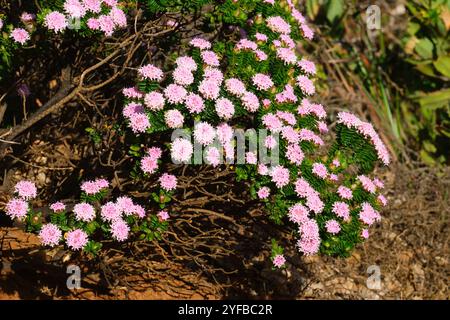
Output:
(409, 246)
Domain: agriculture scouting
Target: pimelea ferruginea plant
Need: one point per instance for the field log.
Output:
(260, 82)
(87, 222)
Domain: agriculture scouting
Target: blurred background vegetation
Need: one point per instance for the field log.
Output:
(403, 67)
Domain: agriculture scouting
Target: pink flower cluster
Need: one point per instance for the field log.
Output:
(279, 260)
(304, 190)
(149, 163)
(367, 130)
(92, 187)
(309, 242)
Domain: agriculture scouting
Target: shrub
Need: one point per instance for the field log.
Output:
(255, 83)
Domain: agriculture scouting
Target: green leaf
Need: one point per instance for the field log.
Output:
(335, 10)
(442, 64)
(435, 100)
(425, 48)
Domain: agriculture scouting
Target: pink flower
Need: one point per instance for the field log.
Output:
(92, 5)
(154, 101)
(270, 142)
(307, 66)
(297, 15)
(308, 33)
(263, 193)
(26, 190)
(272, 122)
(261, 37)
(204, 133)
(181, 150)
(132, 108)
(262, 169)
(367, 130)
(365, 233)
(345, 193)
(323, 128)
(209, 89)
(309, 242)
(174, 119)
(287, 116)
(20, 35)
(58, 207)
(224, 108)
(333, 177)
(138, 211)
(210, 58)
(76, 239)
(139, 122)
(245, 44)
(120, 230)
(261, 55)
(149, 164)
(163, 215)
(367, 184)
(89, 187)
(74, 8)
(183, 76)
(280, 176)
(132, 93)
(110, 212)
(320, 170)
(118, 17)
(27, 17)
(287, 40)
(194, 103)
(168, 182)
(50, 235)
(277, 24)
(266, 103)
(314, 203)
(213, 156)
(93, 24)
(250, 101)
(55, 21)
(295, 154)
(368, 214)
(382, 199)
(213, 74)
(84, 212)
(16, 208)
(333, 227)
(378, 183)
(106, 24)
(200, 43)
(262, 81)
(342, 210)
(251, 158)
(186, 62)
(336, 163)
(111, 3)
(235, 86)
(1, 24)
(279, 260)
(308, 135)
(306, 85)
(286, 55)
(298, 213)
(125, 205)
(290, 134)
(151, 72)
(224, 133)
